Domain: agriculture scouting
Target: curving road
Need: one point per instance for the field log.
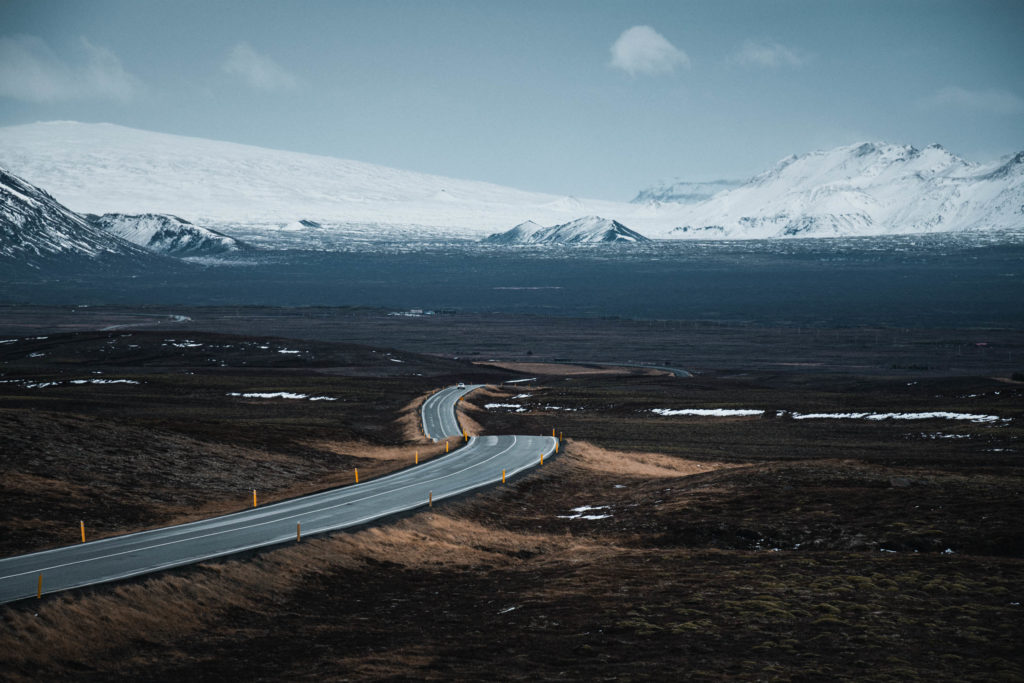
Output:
(438, 412)
(479, 463)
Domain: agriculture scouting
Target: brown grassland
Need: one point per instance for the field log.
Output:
(651, 548)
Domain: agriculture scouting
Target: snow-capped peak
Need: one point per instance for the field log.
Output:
(166, 234)
(586, 230)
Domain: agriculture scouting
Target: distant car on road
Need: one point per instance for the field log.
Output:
(461, 385)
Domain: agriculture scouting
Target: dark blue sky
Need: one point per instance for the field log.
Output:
(590, 98)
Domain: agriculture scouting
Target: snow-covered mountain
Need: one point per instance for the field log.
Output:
(521, 234)
(166, 234)
(33, 224)
(104, 168)
(864, 189)
(586, 230)
(683, 191)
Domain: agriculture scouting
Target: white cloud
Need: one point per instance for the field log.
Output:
(259, 71)
(992, 100)
(642, 50)
(31, 71)
(769, 55)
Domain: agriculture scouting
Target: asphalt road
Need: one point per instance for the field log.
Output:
(438, 412)
(479, 463)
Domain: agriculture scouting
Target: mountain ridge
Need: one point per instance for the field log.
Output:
(863, 189)
(34, 226)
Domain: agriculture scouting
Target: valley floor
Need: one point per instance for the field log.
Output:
(654, 547)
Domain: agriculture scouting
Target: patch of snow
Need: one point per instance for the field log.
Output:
(281, 394)
(937, 415)
(290, 351)
(183, 344)
(581, 512)
(708, 412)
(514, 406)
(103, 381)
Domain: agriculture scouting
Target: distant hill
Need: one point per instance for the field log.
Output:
(166, 234)
(587, 230)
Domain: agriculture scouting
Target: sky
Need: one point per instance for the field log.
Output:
(590, 98)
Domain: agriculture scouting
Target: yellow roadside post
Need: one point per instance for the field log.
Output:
(541, 458)
(417, 460)
(446, 445)
(39, 587)
(298, 532)
(254, 497)
(503, 476)
(430, 499)
(357, 475)
(552, 432)
(81, 525)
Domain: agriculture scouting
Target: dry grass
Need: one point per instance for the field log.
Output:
(415, 663)
(472, 427)
(410, 422)
(377, 460)
(97, 626)
(490, 391)
(587, 456)
(435, 540)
